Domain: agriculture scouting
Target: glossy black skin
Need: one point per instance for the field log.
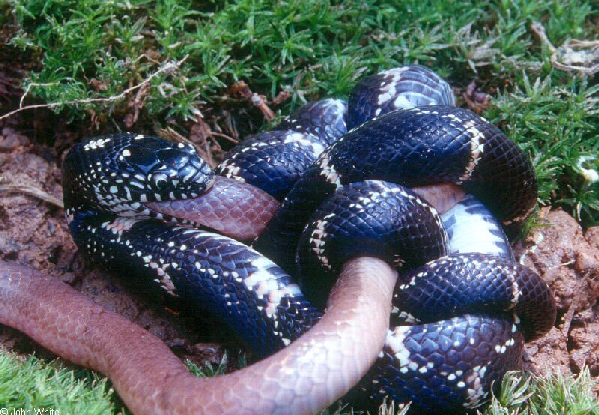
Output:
(399, 88)
(411, 147)
(108, 171)
(274, 160)
(401, 136)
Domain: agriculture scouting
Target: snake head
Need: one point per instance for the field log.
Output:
(126, 170)
(164, 170)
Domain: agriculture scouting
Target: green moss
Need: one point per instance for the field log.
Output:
(33, 385)
(556, 394)
(96, 49)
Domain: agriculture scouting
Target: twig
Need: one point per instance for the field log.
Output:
(539, 30)
(29, 88)
(225, 136)
(574, 55)
(243, 90)
(169, 67)
(32, 191)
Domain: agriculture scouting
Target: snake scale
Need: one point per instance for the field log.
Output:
(358, 214)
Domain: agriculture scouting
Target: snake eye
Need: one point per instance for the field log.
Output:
(159, 180)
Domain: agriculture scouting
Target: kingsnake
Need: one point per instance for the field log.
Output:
(458, 322)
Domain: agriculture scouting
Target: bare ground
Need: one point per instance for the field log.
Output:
(34, 232)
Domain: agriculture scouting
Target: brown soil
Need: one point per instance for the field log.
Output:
(568, 260)
(34, 232)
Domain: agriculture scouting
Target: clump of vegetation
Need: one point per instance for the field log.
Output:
(38, 387)
(31, 383)
(557, 122)
(557, 394)
(141, 64)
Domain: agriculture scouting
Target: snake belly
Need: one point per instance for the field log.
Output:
(441, 362)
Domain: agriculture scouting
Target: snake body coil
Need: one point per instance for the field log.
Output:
(454, 332)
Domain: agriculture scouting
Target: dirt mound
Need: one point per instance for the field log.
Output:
(568, 259)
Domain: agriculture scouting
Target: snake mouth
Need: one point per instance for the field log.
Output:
(230, 207)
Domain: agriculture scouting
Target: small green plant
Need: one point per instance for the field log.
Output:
(31, 384)
(557, 124)
(550, 395)
(210, 370)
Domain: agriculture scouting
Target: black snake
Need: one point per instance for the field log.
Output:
(458, 322)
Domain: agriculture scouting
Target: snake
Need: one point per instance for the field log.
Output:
(324, 244)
